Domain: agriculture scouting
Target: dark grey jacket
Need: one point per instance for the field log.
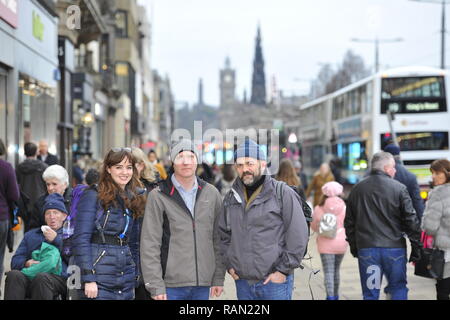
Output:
(264, 238)
(379, 212)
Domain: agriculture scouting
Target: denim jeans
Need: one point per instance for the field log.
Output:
(376, 262)
(269, 291)
(188, 293)
(4, 228)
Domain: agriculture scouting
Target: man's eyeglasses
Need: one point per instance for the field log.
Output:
(121, 149)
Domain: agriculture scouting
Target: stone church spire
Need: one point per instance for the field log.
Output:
(258, 95)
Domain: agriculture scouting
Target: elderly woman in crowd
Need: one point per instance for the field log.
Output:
(57, 181)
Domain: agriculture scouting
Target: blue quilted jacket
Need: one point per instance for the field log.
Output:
(111, 266)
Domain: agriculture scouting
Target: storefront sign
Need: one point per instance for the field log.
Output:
(38, 27)
(8, 12)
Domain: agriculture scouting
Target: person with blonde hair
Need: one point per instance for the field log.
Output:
(148, 175)
(322, 176)
(147, 171)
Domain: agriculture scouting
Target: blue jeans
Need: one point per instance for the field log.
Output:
(269, 291)
(376, 262)
(188, 293)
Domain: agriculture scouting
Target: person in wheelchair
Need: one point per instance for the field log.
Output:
(45, 279)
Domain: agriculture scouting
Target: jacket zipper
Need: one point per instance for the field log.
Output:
(195, 238)
(98, 260)
(106, 219)
(195, 249)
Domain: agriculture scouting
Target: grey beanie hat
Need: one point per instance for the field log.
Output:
(180, 146)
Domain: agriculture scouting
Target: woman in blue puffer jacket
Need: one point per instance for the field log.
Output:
(103, 228)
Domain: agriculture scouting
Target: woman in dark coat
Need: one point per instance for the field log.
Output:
(103, 228)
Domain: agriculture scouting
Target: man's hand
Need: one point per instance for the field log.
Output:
(276, 277)
(50, 234)
(160, 297)
(30, 262)
(233, 274)
(91, 290)
(215, 292)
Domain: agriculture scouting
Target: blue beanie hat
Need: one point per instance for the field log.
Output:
(250, 149)
(392, 149)
(54, 201)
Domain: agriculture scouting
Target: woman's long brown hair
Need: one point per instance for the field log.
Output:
(287, 173)
(108, 189)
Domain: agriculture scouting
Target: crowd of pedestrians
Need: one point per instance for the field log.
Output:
(135, 229)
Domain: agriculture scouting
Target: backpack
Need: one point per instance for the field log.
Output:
(69, 223)
(307, 212)
(328, 225)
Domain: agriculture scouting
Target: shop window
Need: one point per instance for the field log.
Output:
(121, 24)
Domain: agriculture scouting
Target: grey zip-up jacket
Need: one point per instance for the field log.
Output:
(264, 238)
(176, 249)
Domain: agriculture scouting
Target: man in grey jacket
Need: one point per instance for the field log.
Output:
(180, 243)
(263, 236)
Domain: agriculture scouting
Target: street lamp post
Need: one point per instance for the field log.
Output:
(377, 42)
(443, 30)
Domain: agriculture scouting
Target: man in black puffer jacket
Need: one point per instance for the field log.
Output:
(379, 214)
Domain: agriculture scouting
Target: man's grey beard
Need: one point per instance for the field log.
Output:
(255, 180)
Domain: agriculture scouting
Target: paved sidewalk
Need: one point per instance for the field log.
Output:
(350, 288)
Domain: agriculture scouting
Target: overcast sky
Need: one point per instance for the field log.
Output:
(191, 39)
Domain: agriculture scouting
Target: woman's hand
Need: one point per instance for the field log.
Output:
(91, 290)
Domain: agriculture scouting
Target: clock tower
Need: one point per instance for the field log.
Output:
(227, 85)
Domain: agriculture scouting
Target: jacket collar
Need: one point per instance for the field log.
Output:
(376, 172)
(167, 188)
(267, 189)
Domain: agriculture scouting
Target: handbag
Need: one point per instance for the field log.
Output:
(432, 260)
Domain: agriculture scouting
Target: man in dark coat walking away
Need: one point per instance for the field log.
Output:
(29, 175)
(408, 179)
(379, 214)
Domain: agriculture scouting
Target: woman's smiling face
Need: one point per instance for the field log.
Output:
(121, 173)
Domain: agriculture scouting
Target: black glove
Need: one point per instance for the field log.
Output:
(416, 253)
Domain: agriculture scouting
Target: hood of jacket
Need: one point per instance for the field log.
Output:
(31, 165)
